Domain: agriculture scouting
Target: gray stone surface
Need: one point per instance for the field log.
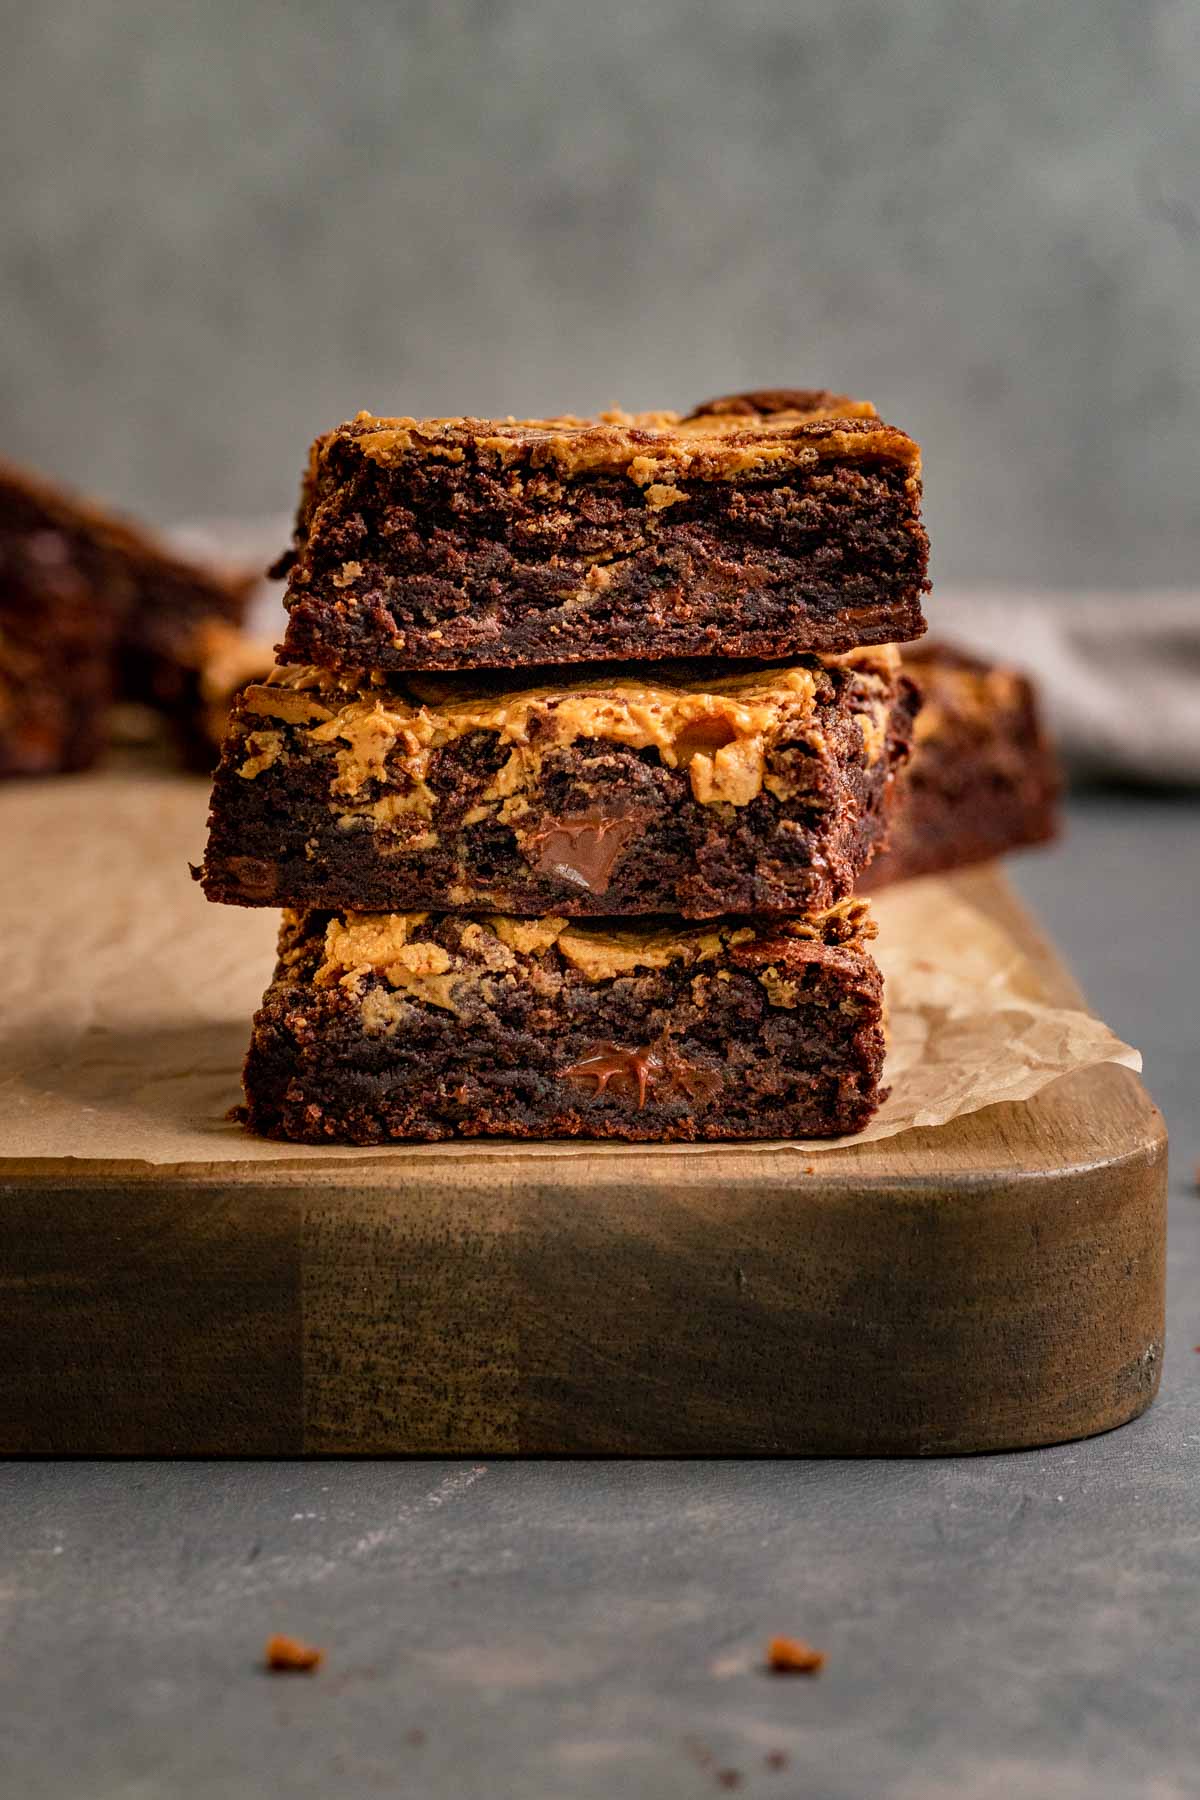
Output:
(228, 226)
(995, 1626)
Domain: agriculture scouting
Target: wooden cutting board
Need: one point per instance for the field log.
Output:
(993, 1283)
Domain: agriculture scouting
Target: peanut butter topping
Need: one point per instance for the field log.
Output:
(528, 936)
(382, 944)
(265, 747)
(780, 990)
(603, 955)
(847, 920)
(293, 705)
(722, 735)
(367, 943)
(653, 450)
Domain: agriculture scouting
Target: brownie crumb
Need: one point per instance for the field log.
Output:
(415, 1737)
(776, 1759)
(729, 1778)
(288, 1656)
(789, 1656)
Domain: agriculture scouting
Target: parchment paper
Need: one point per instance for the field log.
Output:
(129, 997)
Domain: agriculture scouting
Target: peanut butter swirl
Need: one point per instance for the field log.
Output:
(386, 730)
(401, 949)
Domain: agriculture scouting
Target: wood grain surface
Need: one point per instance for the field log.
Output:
(993, 1283)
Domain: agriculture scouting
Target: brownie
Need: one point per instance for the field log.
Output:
(468, 543)
(420, 1027)
(61, 610)
(212, 669)
(183, 620)
(91, 611)
(669, 787)
(983, 778)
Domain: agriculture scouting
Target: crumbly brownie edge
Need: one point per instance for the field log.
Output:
(501, 637)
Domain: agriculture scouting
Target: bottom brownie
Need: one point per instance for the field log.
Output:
(984, 778)
(381, 1027)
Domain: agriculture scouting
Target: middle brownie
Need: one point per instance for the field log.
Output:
(692, 788)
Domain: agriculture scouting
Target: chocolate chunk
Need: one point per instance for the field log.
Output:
(255, 879)
(656, 1071)
(583, 850)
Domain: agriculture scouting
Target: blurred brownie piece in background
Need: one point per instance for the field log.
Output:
(459, 543)
(210, 672)
(983, 779)
(92, 611)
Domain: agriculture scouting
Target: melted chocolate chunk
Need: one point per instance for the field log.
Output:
(657, 1072)
(254, 878)
(583, 850)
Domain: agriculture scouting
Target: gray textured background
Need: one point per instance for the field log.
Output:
(229, 225)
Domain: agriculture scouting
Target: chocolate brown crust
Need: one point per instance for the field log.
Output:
(380, 1029)
(91, 610)
(451, 544)
(984, 779)
(767, 403)
(657, 788)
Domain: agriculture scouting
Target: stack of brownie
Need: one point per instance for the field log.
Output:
(584, 733)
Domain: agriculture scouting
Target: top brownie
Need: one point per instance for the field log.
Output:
(771, 524)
